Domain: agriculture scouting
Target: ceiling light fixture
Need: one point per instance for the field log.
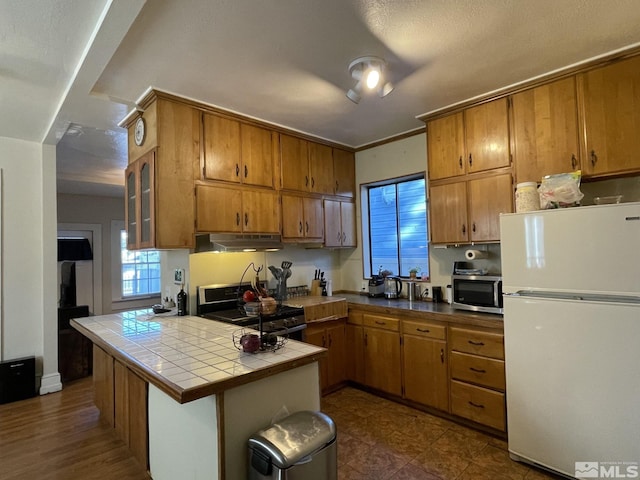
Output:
(369, 71)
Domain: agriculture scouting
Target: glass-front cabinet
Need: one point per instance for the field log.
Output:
(140, 196)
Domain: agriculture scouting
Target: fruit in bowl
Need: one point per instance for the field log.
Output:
(249, 296)
(269, 305)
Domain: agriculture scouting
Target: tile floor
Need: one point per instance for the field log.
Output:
(380, 439)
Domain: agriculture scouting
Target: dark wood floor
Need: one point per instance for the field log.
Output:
(58, 436)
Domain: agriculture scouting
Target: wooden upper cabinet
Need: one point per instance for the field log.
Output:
(488, 198)
(344, 172)
(294, 158)
(321, 169)
(302, 218)
(339, 224)
(448, 213)
(611, 107)
(487, 136)
(237, 152)
(165, 173)
(257, 156)
(236, 210)
(221, 148)
(445, 145)
(545, 130)
(306, 166)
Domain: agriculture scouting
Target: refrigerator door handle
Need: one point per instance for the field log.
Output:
(576, 296)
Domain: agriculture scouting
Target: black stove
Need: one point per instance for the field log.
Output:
(224, 304)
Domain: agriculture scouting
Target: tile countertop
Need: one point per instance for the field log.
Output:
(419, 310)
(188, 357)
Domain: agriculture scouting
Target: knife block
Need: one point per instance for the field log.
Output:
(316, 288)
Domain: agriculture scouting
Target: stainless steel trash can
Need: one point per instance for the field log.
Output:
(302, 446)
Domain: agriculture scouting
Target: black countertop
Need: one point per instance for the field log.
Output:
(441, 311)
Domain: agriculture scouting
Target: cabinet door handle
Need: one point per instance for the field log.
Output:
(477, 370)
(306, 181)
(477, 405)
(365, 339)
(473, 227)
(246, 171)
(344, 236)
(237, 170)
(246, 219)
(300, 226)
(423, 330)
(460, 161)
(338, 237)
(237, 218)
(594, 158)
(313, 182)
(477, 344)
(574, 161)
(378, 322)
(307, 225)
(464, 229)
(442, 355)
(470, 160)
(337, 187)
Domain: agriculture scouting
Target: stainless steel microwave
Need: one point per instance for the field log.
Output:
(478, 293)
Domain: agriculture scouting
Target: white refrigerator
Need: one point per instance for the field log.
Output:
(571, 283)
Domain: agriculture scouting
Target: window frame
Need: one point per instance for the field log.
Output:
(366, 222)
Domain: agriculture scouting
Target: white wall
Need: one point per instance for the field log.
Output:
(29, 314)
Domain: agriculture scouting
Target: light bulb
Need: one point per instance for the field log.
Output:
(373, 77)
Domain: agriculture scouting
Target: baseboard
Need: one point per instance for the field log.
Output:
(50, 383)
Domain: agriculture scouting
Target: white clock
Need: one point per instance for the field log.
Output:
(138, 133)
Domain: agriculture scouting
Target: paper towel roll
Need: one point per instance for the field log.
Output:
(475, 254)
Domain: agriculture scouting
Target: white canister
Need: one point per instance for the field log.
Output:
(527, 198)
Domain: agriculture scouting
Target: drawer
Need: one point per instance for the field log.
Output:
(487, 344)
(423, 329)
(488, 372)
(378, 321)
(478, 404)
(327, 310)
(354, 318)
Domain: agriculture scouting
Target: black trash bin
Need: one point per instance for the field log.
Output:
(301, 446)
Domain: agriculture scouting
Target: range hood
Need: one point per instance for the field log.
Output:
(216, 242)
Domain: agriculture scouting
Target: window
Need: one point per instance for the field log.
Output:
(140, 270)
(397, 226)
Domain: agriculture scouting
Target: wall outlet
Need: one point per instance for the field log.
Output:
(178, 276)
(365, 284)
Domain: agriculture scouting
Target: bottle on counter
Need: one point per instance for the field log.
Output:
(181, 300)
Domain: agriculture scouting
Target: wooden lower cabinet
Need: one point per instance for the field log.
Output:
(478, 404)
(478, 376)
(424, 361)
(382, 365)
(355, 348)
(332, 336)
(121, 397)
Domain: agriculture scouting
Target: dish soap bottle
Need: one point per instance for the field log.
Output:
(181, 300)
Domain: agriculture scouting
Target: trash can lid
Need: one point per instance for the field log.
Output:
(297, 436)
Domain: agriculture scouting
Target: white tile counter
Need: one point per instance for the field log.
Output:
(188, 357)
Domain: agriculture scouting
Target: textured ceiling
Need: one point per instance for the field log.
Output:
(281, 61)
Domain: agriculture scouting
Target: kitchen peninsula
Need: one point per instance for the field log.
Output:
(184, 399)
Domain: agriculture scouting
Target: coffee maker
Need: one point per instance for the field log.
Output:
(376, 286)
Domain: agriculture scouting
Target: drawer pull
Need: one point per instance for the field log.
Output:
(378, 322)
(442, 355)
(477, 370)
(477, 344)
(475, 404)
(423, 330)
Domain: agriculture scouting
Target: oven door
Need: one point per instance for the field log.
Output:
(477, 293)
